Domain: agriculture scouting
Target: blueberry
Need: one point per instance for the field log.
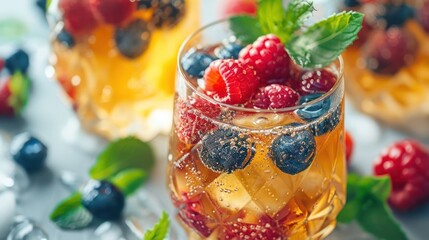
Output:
(41, 4)
(195, 63)
(226, 150)
(293, 152)
(325, 121)
(146, 4)
(103, 200)
(396, 14)
(66, 39)
(19, 61)
(29, 152)
(228, 50)
(168, 13)
(133, 39)
(352, 3)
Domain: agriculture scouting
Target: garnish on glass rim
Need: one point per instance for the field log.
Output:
(309, 46)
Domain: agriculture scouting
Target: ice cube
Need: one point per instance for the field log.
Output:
(108, 231)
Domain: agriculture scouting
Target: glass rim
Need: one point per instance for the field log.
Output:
(188, 80)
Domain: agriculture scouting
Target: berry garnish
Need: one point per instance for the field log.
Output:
(293, 152)
(228, 50)
(235, 7)
(103, 200)
(319, 80)
(19, 61)
(193, 119)
(146, 4)
(395, 15)
(226, 150)
(78, 17)
(230, 81)
(387, 52)
(41, 4)
(113, 12)
(168, 13)
(275, 96)
(13, 94)
(423, 16)
(29, 152)
(195, 63)
(66, 39)
(407, 164)
(133, 39)
(269, 57)
(349, 146)
(265, 230)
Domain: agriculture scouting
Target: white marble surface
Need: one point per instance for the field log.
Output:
(47, 115)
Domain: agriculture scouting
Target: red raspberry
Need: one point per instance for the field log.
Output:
(266, 229)
(269, 57)
(234, 7)
(349, 147)
(407, 164)
(275, 96)
(113, 12)
(424, 16)
(192, 119)
(230, 81)
(1, 64)
(5, 94)
(78, 18)
(316, 81)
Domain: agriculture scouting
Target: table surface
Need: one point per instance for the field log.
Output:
(50, 118)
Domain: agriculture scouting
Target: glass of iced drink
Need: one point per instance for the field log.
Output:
(252, 154)
(116, 60)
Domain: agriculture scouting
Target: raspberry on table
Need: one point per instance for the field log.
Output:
(275, 96)
(269, 57)
(407, 164)
(230, 81)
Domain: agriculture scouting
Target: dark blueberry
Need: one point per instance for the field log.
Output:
(41, 4)
(133, 39)
(228, 50)
(226, 151)
(352, 3)
(195, 63)
(294, 152)
(66, 39)
(103, 200)
(19, 61)
(146, 4)
(168, 13)
(396, 14)
(29, 152)
(324, 120)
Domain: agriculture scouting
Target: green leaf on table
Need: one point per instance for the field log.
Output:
(20, 90)
(246, 28)
(128, 181)
(160, 230)
(70, 214)
(48, 4)
(12, 29)
(322, 43)
(123, 154)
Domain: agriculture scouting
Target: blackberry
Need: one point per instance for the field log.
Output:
(168, 13)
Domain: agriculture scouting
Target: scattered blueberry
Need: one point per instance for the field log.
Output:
(294, 152)
(103, 200)
(66, 39)
(41, 4)
(29, 152)
(228, 50)
(195, 63)
(133, 39)
(396, 14)
(226, 150)
(168, 13)
(19, 61)
(352, 3)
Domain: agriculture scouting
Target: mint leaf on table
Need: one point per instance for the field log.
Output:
(246, 28)
(129, 181)
(70, 214)
(160, 230)
(322, 43)
(48, 4)
(20, 89)
(367, 204)
(121, 155)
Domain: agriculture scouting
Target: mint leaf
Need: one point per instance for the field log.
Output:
(48, 4)
(123, 154)
(349, 212)
(246, 28)
(271, 16)
(323, 42)
(160, 230)
(296, 13)
(20, 89)
(70, 214)
(128, 181)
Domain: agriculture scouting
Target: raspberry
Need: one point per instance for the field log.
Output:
(230, 81)
(113, 12)
(78, 18)
(266, 229)
(235, 7)
(423, 16)
(275, 96)
(269, 57)
(316, 81)
(349, 147)
(2, 62)
(192, 122)
(407, 164)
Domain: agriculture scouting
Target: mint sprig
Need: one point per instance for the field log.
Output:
(367, 204)
(70, 214)
(160, 230)
(129, 181)
(309, 46)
